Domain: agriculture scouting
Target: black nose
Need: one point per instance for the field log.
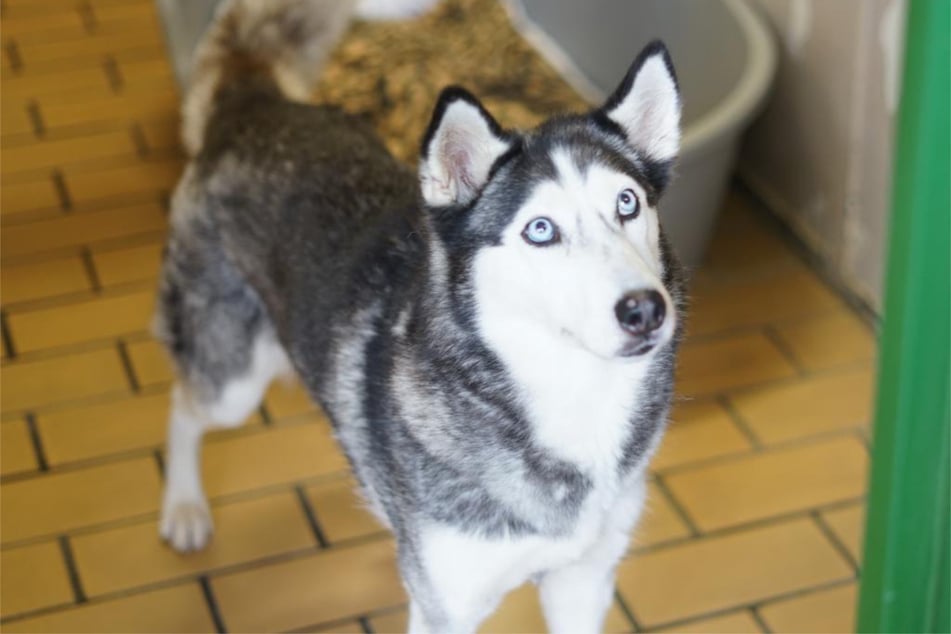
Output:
(641, 312)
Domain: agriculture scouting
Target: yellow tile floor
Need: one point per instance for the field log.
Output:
(756, 500)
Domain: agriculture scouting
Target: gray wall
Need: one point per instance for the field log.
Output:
(820, 155)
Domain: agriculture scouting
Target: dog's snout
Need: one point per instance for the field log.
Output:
(641, 312)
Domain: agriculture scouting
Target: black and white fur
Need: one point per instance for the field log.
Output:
(497, 408)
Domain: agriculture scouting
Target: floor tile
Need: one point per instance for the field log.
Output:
(824, 612)
(16, 448)
(135, 264)
(708, 367)
(739, 622)
(126, 424)
(33, 577)
(177, 609)
(848, 524)
(74, 230)
(772, 483)
(94, 106)
(39, 280)
(341, 511)
(244, 531)
(328, 586)
(786, 295)
(744, 243)
(61, 502)
(104, 317)
(730, 570)
(138, 177)
(828, 341)
(54, 84)
(699, 431)
(151, 363)
(38, 383)
(810, 406)
(91, 47)
(285, 399)
(266, 458)
(659, 522)
(53, 153)
(28, 196)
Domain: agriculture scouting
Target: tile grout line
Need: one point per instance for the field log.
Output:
(62, 192)
(364, 622)
(72, 570)
(159, 462)
(36, 118)
(627, 610)
(760, 621)
(7, 336)
(773, 336)
(834, 540)
(311, 516)
(212, 602)
(13, 56)
(113, 75)
(36, 441)
(87, 17)
(677, 506)
(727, 404)
(90, 267)
(127, 367)
(139, 142)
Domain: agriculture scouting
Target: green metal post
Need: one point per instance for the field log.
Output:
(906, 565)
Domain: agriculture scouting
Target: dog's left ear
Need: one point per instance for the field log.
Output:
(646, 109)
(461, 145)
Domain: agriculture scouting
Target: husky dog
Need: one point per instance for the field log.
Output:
(493, 337)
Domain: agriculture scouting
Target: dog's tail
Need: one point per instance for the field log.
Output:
(281, 41)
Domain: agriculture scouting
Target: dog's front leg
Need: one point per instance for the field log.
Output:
(576, 597)
(455, 579)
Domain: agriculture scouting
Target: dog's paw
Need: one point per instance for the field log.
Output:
(186, 525)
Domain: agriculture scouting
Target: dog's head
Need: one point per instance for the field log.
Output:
(553, 234)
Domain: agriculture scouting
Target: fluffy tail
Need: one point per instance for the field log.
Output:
(284, 40)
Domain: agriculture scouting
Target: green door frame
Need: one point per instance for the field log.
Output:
(905, 580)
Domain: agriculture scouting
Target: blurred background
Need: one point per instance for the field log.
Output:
(781, 207)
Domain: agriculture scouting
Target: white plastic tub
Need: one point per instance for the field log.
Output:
(725, 58)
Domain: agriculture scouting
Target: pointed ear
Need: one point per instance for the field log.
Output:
(646, 108)
(461, 145)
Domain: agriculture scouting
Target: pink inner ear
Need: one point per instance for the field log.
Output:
(459, 165)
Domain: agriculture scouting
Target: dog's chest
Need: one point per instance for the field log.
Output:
(581, 408)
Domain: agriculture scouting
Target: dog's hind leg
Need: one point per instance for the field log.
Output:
(218, 332)
(186, 522)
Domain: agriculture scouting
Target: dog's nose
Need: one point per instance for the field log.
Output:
(641, 312)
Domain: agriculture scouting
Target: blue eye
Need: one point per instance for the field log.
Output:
(627, 204)
(540, 231)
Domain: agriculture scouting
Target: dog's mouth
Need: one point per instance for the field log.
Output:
(639, 347)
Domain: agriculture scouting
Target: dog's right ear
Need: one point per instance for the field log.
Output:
(462, 143)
